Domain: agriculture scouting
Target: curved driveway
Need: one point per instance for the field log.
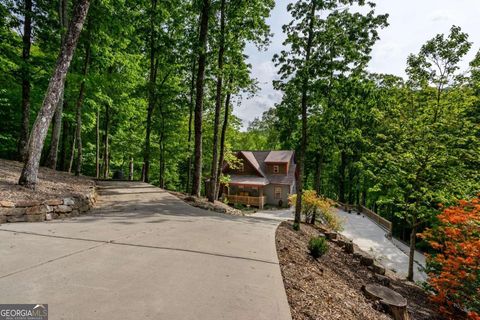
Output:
(144, 254)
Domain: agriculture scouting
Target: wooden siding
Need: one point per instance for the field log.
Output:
(283, 168)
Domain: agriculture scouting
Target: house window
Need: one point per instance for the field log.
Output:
(278, 193)
(276, 169)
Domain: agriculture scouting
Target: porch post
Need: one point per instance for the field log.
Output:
(260, 193)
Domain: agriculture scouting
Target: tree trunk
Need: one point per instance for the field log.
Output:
(72, 153)
(202, 57)
(190, 120)
(25, 71)
(314, 216)
(63, 151)
(130, 171)
(57, 122)
(81, 97)
(411, 256)
(303, 146)
(97, 145)
(351, 188)
(36, 141)
(56, 131)
(151, 93)
(218, 106)
(364, 192)
(341, 178)
(106, 155)
(318, 172)
(223, 135)
(161, 142)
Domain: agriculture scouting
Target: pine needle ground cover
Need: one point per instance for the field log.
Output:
(330, 287)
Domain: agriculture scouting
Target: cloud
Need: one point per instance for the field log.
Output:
(441, 16)
(412, 23)
(254, 107)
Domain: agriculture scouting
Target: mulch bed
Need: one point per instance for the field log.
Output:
(330, 287)
(51, 184)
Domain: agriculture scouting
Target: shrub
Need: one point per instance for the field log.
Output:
(315, 207)
(454, 268)
(239, 206)
(296, 226)
(318, 246)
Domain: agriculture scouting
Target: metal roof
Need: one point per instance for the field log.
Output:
(249, 180)
(282, 156)
(251, 158)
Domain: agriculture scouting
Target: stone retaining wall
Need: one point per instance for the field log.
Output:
(36, 211)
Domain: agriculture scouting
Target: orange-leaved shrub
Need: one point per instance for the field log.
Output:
(454, 268)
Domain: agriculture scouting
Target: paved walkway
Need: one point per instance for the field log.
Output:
(371, 238)
(393, 254)
(144, 254)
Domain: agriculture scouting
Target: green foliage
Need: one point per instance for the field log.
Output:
(296, 226)
(317, 246)
(318, 208)
(119, 33)
(232, 161)
(398, 146)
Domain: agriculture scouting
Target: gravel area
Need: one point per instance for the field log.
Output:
(330, 287)
(51, 184)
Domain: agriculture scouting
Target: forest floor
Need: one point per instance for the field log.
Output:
(51, 184)
(330, 287)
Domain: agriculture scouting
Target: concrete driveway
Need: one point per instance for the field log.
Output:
(144, 254)
(276, 214)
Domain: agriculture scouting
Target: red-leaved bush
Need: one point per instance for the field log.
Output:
(454, 270)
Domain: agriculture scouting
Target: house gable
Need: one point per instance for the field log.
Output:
(246, 168)
(275, 167)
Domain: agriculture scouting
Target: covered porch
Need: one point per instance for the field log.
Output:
(249, 195)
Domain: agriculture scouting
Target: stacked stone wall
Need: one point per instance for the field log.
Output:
(37, 211)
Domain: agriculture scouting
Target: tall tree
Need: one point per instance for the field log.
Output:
(27, 43)
(106, 144)
(79, 105)
(321, 46)
(218, 105)
(97, 144)
(36, 141)
(305, 92)
(420, 157)
(223, 135)
(151, 89)
(57, 122)
(202, 60)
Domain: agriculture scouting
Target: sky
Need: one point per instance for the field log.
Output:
(412, 23)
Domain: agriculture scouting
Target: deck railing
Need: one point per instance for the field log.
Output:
(381, 221)
(247, 200)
